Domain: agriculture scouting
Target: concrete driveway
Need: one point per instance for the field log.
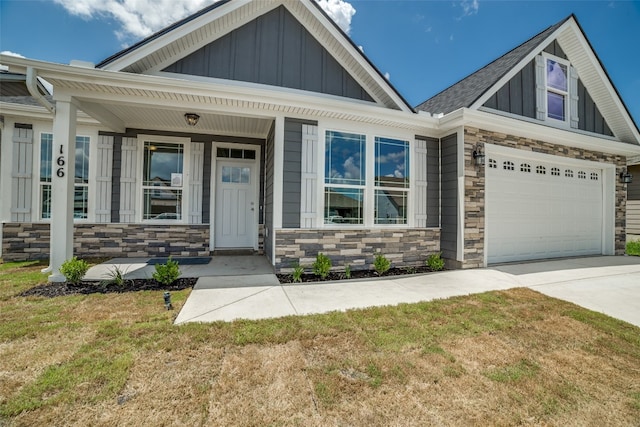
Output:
(610, 285)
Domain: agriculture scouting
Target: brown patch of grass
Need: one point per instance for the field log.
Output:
(499, 358)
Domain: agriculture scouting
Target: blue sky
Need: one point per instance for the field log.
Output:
(424, 46)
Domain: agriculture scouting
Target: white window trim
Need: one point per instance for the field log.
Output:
(39, 184)
(186, 177)
(369, 187)
(567, 95)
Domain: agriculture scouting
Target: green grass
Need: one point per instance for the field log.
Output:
(514, 372)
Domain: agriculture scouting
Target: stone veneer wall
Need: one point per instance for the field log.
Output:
(30, 241)
(403, 247)
(475, 183)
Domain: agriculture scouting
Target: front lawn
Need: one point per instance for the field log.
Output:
(498, 358)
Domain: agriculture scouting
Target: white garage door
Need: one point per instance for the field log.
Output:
(541, 209)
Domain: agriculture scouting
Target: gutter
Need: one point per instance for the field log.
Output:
(32, 86)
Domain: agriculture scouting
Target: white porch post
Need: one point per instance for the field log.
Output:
(62, 186)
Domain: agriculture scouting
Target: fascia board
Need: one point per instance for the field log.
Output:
(38, 112)
(497, 123)
(171, 36)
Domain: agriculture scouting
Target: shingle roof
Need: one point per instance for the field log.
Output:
(468, 90)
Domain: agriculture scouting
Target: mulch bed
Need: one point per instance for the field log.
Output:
(355, 274)
(51, 290)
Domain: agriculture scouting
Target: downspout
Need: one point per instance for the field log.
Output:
(32, 86)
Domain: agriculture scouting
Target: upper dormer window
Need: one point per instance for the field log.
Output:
(557, 89)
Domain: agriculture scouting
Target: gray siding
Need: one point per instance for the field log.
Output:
(449, 162)
(115, 178)
(274, 49)
(633, 189)
(433, 182)
(518, 97)
(206, 184)
(292, 172)
(268, 194)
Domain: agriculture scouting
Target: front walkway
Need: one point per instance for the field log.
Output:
(605, 284)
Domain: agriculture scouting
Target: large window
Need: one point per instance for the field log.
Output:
(391, 181)
(346, 189)
(557, 89)
(81, 186)
(162, 181)
(344, 178)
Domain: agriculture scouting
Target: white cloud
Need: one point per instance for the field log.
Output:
(141, 18)
(387, 76)
(9, 53)
(340, 11)
(469, 7)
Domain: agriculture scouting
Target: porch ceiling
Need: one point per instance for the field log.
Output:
(172, 119)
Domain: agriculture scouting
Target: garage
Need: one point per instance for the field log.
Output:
(542, 206)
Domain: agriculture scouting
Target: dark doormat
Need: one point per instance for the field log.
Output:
(182, 261)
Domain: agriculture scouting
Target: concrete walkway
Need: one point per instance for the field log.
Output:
(610, 285)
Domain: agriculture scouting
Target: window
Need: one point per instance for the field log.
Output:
(346, 191)
(235, 153)
(582, 175)
(555, 171)
(493, 164)
(344, 178)
(541, 170)
(81, 186)
(594, 176)
(524, 167)
(557, 89)
(391, 181)
(508, 166)
(162, 180)
(568, 173)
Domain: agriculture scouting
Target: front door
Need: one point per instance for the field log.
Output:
(235, 204)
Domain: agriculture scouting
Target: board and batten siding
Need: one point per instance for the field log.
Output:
(274, 49)
(449, 200)
(195, 183)
(128, 180)
(104, 177)
(521, 96)
(22, 173)
(268, 193)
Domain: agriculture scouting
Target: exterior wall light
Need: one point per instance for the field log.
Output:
(478, 156)
(626, 177)
(191, 118)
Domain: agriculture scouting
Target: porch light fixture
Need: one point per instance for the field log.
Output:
(626, 177)
(191, 118)
(478, 156)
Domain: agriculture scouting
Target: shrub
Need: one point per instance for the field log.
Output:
(633, 247)
(321, 266)
(435, 262)
(381, 264)
(167, 273)
(347, 271)
(74, 270)
(116, 277)
(298, 270)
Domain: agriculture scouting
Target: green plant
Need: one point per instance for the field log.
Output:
(347, 271)
(410, 269)
(74, 270)
(167, 273)
(381, 264)
(435, 262)
(633, 247)
(298, 270)
(322, 265)
(116, 277)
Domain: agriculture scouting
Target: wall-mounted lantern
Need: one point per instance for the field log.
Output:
(478, 156)
(626, 177)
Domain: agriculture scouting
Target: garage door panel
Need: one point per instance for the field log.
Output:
(542, 209)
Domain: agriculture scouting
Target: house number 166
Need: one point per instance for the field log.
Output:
(60, 162)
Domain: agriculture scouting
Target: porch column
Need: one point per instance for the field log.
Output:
(62, 186)
(278, 172)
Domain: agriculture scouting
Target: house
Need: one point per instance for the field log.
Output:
(260, 126)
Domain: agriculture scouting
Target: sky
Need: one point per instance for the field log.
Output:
(422, 46)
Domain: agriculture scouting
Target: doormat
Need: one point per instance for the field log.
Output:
(182, 261)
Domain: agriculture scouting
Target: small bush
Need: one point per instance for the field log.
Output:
(116, 277)
(381, 264)
(321, 266)
(347, 271)
(435, 262)
(298, 270)
(74, 270)
(633, 247)
(167, 273)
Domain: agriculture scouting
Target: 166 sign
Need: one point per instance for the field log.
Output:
(60, 161)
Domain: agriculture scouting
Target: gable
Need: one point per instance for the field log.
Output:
(518, 96)
(274, 49)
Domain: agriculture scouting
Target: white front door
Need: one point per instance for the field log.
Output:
(235, 219)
